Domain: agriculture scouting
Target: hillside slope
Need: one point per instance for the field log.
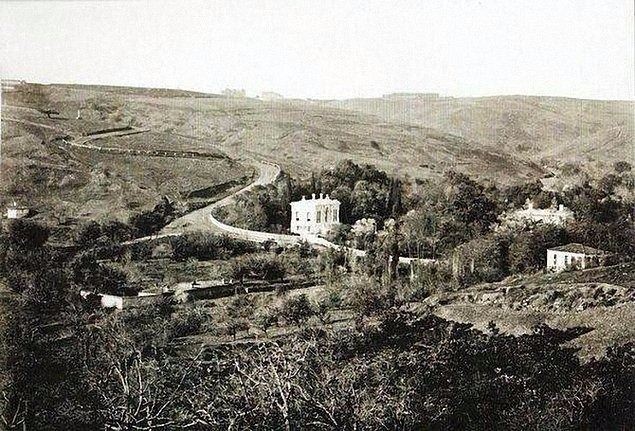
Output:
(535, 128)
(64, 182)
(299, 135)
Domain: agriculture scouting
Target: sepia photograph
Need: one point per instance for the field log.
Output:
(317, 215)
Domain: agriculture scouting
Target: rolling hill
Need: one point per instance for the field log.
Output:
(64, 182)
(300, 135)
(541, 129)
(504, 139)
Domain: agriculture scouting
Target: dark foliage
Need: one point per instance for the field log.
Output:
(152, 221)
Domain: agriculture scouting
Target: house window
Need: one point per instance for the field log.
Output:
(297, 216)
(555, 259)
(318, 216)
(308, 216)
(335, 217)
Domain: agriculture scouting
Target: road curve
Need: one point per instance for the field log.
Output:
(203, 219)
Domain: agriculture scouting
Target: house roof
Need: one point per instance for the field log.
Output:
(575, 247)
(316, 200)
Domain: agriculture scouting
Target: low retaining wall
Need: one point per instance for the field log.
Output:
(148, 153)
(109, 130)
(192, 294)
(257, 236)
(253, 235)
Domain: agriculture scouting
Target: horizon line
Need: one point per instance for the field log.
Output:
(383, 95)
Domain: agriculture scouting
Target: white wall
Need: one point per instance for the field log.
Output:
(304, 215)
(561, 260)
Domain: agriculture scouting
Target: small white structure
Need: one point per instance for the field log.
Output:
(575, 256)
(558, 216)
(364, 226)
(314, 216)
(15, 211)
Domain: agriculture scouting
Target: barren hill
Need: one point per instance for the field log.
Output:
(506, 139)
(533, 128)
(300, 135)
(63, 181)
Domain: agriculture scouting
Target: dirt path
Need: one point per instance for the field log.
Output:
(200, 219)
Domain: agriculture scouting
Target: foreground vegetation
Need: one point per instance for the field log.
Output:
(72, 365)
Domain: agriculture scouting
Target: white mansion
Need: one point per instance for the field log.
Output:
(558, 216)
(314, 216)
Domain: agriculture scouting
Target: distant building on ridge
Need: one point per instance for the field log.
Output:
(270, 95)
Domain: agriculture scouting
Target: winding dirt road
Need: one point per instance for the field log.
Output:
(203, 219)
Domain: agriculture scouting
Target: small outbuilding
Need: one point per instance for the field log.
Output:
(15, 211)
(575, 256)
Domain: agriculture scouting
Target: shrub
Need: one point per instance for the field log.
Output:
(296, 309)
(188, 321)
(366, 296)
(205, 246)
(257, 266)
(482, 259)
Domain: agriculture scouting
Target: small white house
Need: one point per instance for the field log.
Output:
(575, 256)
(16, 211)
(314, 216)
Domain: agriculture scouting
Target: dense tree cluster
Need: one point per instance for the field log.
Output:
(151, 221)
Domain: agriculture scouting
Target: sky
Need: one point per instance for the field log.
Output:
(328, 49)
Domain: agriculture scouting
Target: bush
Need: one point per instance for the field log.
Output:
(188, 321)
(205, 246)
(482, 259)
(367, 297)
(257, 266)
(299, 259)
(91, 232)
(296, 309)
(150, 222)
(27, 234)
(528, 249)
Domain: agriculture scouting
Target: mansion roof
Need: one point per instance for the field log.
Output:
(575, 247)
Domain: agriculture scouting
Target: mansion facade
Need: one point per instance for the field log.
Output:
(314, 216)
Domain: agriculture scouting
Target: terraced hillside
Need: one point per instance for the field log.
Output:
(601, 300)
(62, 181)
(298, 135)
